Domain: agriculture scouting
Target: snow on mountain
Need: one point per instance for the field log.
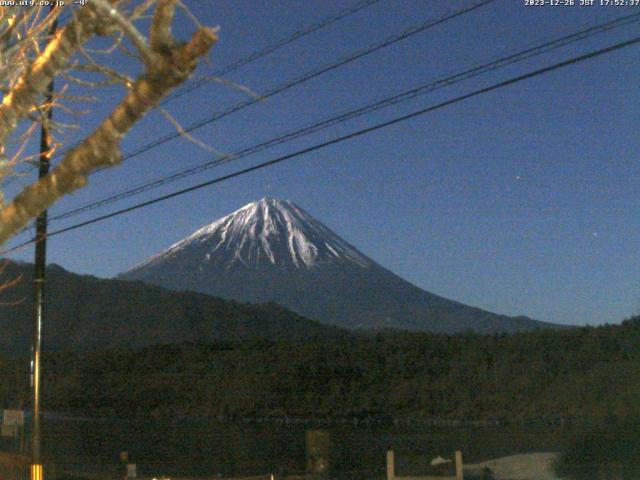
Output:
(270, 231)
(272, 250)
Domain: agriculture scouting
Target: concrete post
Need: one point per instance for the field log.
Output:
(318, 443)
(459, 468)
(391, 465)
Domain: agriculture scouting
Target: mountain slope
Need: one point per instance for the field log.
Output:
(87, 313)
(272, 250)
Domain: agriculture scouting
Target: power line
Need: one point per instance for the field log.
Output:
(251, 57)
(358, 133)
(407, 33)
(275, 46)
(371, 107)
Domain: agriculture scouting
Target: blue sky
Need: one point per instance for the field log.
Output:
(520, 201)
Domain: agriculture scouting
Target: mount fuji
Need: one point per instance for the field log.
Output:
(272, 250)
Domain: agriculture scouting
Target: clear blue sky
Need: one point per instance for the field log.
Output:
(521, 201)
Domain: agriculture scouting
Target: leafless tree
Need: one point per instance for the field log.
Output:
(30, 58)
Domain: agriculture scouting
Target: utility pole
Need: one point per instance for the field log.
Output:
(40, 262)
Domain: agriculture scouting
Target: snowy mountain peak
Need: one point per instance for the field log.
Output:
(268, 232)
(273, 251)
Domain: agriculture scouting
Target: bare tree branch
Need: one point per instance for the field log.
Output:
(32, 85)
(168, 63)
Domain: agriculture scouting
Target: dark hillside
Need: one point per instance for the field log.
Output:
(88, 313)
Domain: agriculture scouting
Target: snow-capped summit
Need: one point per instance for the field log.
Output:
(268, 232)
(272, 250)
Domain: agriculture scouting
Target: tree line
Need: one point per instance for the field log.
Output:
(555, 375)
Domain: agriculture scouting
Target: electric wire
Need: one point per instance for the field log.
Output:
(366, 109)
(246, 60)
(273, 47)
(407, 33)
(355, 134)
